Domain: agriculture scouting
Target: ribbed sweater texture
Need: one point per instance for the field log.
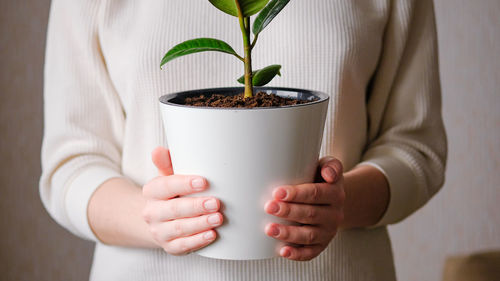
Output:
(376, 59)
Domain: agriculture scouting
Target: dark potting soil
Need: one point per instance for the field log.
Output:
(260, 99)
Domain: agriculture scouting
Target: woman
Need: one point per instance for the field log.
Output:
(377, 60)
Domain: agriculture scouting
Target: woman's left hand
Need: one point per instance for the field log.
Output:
(317, 207)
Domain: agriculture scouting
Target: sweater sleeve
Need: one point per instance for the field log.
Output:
(407, 141)
(84, 118)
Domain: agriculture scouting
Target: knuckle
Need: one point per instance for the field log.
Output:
(146, 215)
(284, 233)
(311, 237)
(177, 229)
(154, 232)
(197, 205)
(311, 213)
(315, 192)
(284, 210)
(173, 208)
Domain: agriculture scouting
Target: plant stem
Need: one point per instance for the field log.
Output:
(245, 31)
(248, 60)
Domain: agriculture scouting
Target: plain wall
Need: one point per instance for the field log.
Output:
(463, 217)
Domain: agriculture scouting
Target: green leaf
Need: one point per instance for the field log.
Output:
(263, 76)
(195, 46)
(248, 7)
(268, 14)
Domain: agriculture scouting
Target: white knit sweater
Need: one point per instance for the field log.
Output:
(376, 59)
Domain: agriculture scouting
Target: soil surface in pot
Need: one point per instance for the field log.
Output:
(260, 99)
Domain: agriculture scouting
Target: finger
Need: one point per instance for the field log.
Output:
(310, 193)
(162, 161)
(177, 208)
(303, 213)
(302, 235)
(185, 245)
(166, 187)
(331, 169)
(301, 253)
(168, 231)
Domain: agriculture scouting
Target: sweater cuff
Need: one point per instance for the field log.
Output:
(78, 195)
(403, 183)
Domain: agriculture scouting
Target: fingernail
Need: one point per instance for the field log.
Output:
(274, 231)
(209, 235)
(331, 173)
(273, 208)
(285, 252)
(198, 183)
(280, 194)
(210, 205)
(214, 219)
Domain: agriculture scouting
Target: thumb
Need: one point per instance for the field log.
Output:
(330, 169)
(161, 159)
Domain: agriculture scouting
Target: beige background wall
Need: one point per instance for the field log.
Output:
(463, 217)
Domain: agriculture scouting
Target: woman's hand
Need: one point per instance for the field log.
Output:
(317, 207)
(179, 224)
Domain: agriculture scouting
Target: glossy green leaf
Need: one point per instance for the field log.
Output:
(268, 14)
(196, 46)
(263, 76)
(248, 7)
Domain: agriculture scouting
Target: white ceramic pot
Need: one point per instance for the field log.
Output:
(244, 154)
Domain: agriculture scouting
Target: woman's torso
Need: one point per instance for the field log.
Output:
(324, 45)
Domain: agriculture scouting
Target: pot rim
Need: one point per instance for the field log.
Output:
(165, 99)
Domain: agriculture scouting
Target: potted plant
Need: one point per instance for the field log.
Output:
(244, 152)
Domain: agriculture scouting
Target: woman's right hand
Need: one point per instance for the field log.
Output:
(179, 224)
